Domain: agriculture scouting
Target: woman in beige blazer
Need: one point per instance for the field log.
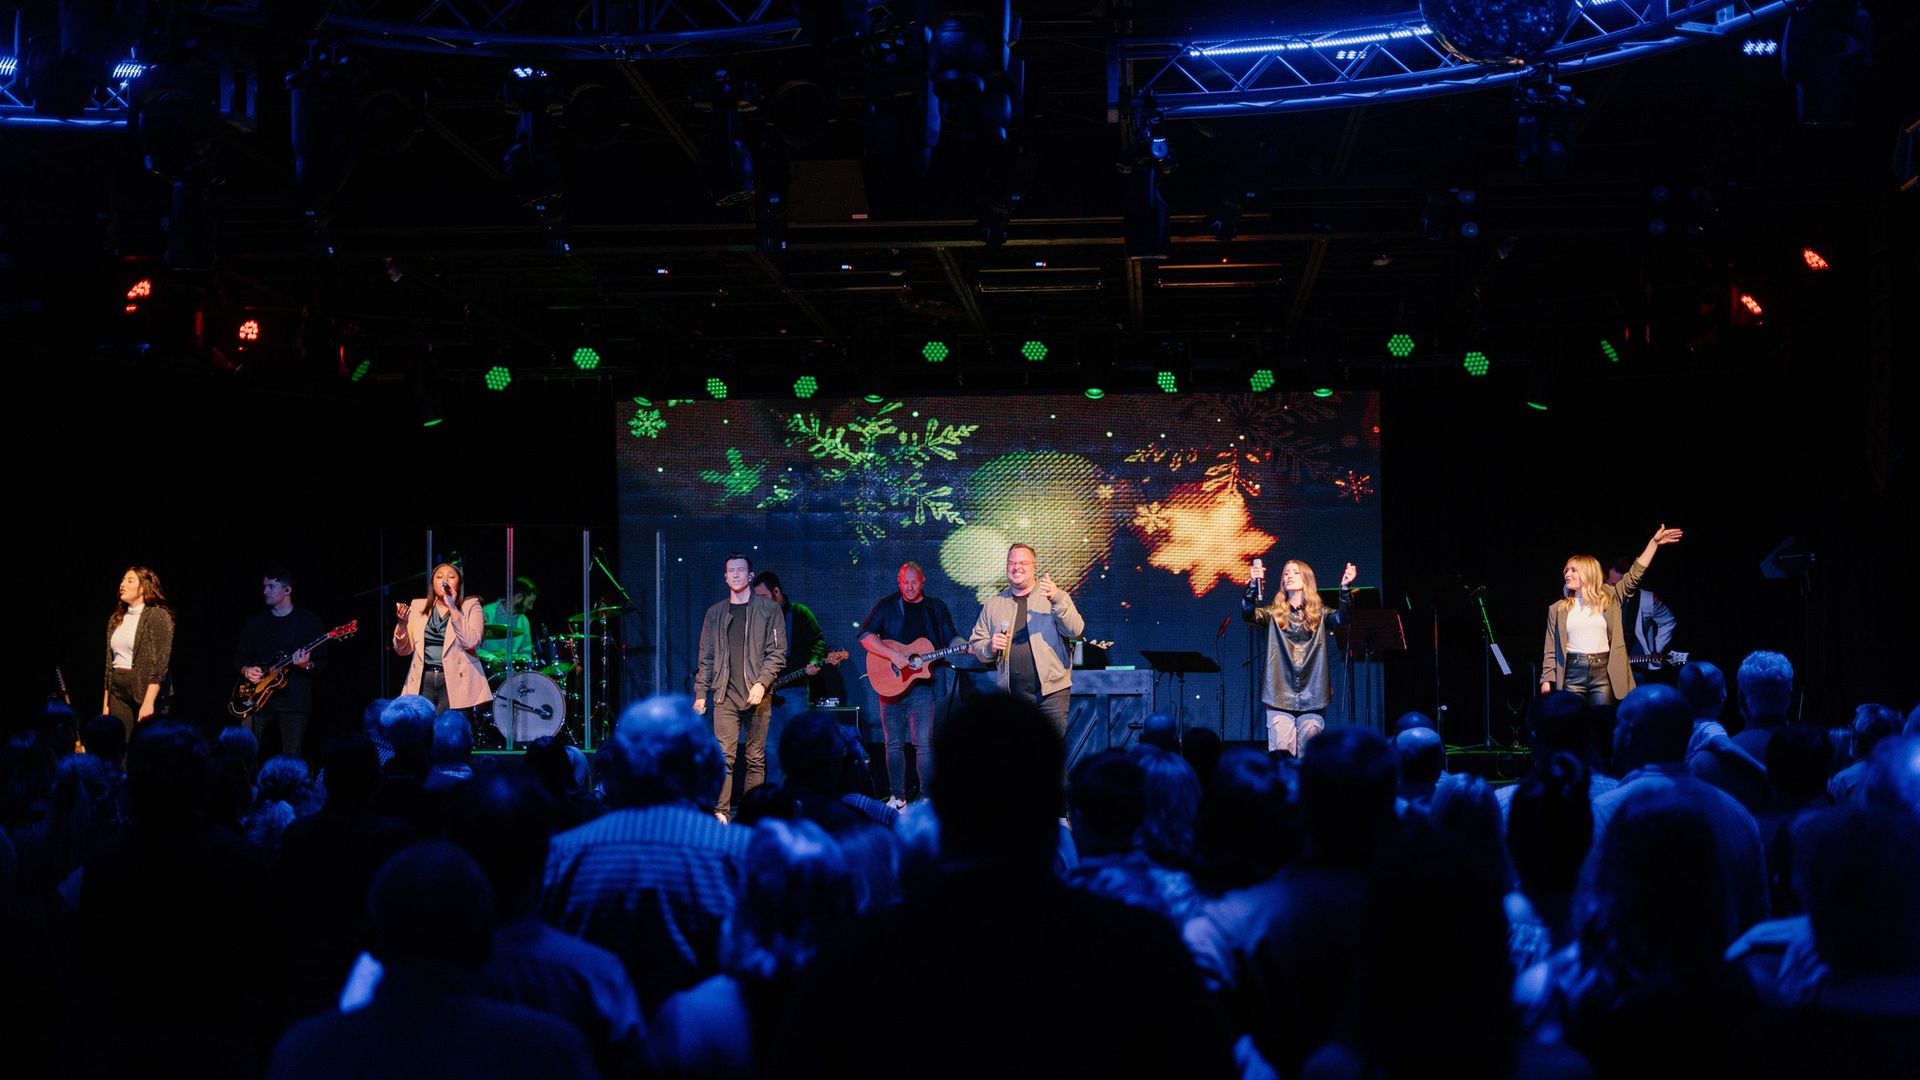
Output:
(440, 632)
(1587, 649)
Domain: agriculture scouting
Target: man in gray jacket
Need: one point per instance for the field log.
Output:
(1023, 632)
(743, 646)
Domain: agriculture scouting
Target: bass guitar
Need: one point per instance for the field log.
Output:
(891, 680)
(250, 697)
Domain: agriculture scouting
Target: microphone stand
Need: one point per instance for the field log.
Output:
(1486, 662)
(1220, 658)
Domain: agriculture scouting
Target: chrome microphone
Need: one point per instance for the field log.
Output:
(1003, 649)
(1259, 581)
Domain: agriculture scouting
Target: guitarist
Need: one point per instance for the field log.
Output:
(900, 619)
(268, 636)
(1648, 622)
(806, 648)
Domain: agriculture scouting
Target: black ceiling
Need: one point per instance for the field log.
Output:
(1336, 246)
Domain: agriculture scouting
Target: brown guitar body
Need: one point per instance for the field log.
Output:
(890, 681)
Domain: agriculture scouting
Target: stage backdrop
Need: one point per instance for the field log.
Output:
(1148, 510)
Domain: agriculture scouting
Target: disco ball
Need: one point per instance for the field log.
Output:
(1498, 33)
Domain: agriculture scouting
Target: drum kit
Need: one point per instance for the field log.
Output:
(535, 691)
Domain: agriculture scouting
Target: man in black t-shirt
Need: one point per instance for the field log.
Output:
(903, 618)
(268, 637)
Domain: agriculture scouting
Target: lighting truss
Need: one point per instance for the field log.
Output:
(1396, 59)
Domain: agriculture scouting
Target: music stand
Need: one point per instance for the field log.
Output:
(1374, 631)
(1179, 664)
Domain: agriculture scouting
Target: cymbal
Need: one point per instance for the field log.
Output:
(495, 629)
(595, 613)
(570, 637)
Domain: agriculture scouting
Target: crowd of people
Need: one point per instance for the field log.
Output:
(1722, 888)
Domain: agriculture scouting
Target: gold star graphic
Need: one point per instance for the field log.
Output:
(1209, 538)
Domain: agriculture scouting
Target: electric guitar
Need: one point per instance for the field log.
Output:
(890, 680)
(1677, 659)
(832, 659)
(250, 697)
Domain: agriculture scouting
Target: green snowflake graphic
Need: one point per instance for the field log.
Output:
(740, 479)
(646, 422)
(873, 467)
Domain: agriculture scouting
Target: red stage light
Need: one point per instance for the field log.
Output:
(1747, 301)
(1813, 260)
(250, 330)
(141, 289)
(131, 308)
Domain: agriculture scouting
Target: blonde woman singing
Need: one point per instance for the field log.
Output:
(1587, 649)
(1299, 682)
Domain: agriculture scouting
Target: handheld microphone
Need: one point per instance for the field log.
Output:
(1003, 649)
(1259, 580)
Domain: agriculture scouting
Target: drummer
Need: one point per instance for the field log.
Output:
(509, 641)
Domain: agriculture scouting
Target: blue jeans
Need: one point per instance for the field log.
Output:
(909, 716)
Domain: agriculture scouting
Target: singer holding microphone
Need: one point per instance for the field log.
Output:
(1298, 685)
(441, 632)
(1023, 631)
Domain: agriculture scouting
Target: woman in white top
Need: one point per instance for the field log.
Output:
(1587, 649)
(139, 649)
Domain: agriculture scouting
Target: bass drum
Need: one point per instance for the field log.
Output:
(527, 706)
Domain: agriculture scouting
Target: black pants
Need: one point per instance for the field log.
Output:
(729, 723)
(280, 731)
(1587, 676)
(124, 699)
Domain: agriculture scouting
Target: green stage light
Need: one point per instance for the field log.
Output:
(1167, 382)
(1540, 405)
(1613, 354)
(1476, 363)
(586, 358)
(1261, 380)
(1094, 393)
(935, 351)
(805, 386)
(1034, 351)
(360, 370)
(1400, 345)
(435, 422)
(873, 399)
(716, 389)
(498, 377)
(1323, 391)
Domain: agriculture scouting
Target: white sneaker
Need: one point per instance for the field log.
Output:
(897, 803)
(721, 815)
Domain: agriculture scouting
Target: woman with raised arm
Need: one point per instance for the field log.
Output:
(1299, 683)
(1587, 649)
(139, 649)
(440, 632)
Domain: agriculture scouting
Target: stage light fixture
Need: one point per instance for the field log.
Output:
(1261, 380)
(1809, 256)
(1034, 351)
(805, 387)
(1752, 305)
(498, 378)
(1759, 47)
(1476, 363)
(1323, 391)
(716, 389)
(873, 399)
(586, 358)
(1400, 345)
(1540, 385)
(1168, 382)
(1612, 354)
(249, 331)
(1094, 393)
(360, 371)
(144, 288)
(935, 351)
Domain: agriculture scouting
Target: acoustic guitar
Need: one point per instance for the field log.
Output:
(251, 697)
(891, 680)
